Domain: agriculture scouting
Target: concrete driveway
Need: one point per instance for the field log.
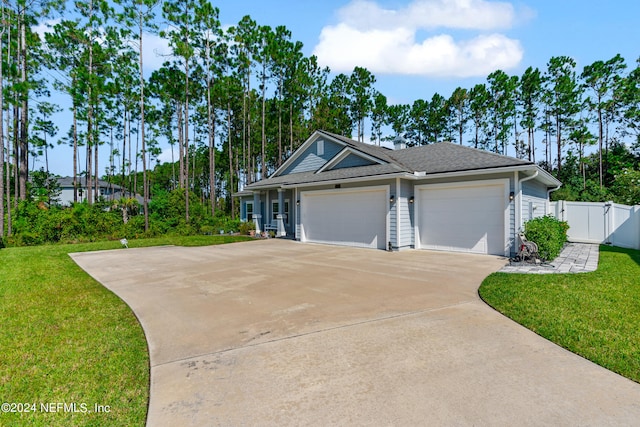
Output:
(281, 333)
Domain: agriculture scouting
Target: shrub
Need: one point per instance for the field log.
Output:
(549, 233)
(246, 226)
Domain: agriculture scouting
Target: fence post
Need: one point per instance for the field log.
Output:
(609, 222)
(635, 215)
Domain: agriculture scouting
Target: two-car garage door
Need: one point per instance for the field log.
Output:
(464, 217)
(345, 217)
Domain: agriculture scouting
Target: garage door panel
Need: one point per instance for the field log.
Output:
(352, 218)
(466, 218)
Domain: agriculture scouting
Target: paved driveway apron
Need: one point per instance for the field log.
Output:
(282, 333)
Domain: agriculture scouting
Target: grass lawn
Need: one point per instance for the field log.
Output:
(65, 339)
(596, 315)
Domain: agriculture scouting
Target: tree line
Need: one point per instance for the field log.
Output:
(236, 102)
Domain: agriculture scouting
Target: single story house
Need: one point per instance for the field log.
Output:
(107, 190)
(441, 196)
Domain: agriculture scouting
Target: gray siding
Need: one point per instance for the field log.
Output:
(406, 239)
(534, 200)
(352, 161)
(243, 207)
(310, 160)
(393, 223)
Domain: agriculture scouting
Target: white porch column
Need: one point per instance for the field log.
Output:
(257, 212)
(280, 217)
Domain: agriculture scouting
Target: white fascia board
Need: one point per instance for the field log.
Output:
(348, 180)
(548, 178)
(472, 172)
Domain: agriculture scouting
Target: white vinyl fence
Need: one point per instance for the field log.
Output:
(609, 223)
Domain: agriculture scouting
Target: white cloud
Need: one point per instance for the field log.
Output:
(155, 51)
(165, 156)
(45, 27)
(430, 14)
(384, 40)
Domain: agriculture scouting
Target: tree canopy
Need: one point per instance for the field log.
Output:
(236, 102)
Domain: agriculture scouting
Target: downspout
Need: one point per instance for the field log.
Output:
(520, 201)
(549, 191)
(398, 225)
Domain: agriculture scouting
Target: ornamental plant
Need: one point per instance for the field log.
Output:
(549, 233)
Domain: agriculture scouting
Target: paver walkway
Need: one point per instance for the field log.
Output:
(574, 258)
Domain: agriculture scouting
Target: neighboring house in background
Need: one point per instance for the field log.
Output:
(442, 196)
(106, 189)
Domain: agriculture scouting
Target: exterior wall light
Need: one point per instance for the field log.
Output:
(392, 198)
(298, 202)
(411, 199)
(511, 196)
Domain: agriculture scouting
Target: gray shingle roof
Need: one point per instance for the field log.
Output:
(67, 181)
(441, 157)
(448, 157)
(330, 175)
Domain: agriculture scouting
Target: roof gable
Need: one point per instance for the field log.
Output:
(313, 157)
(352, 160)
(348, 158)
(318, 153)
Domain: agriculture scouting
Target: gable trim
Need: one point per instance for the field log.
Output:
(346, 151)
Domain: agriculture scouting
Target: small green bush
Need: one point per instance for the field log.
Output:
(246, 226)
(549, 233)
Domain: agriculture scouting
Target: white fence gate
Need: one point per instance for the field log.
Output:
(608, 222)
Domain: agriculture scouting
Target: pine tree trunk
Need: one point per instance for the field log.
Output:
(231, 187)
(2, 31)
(290, 128)
(124, 151)
(75, 153)
(16, 186)
(559, 142)
(600, 142)
(24, 118)
(145, 184)
(180, 147)
(96, 175)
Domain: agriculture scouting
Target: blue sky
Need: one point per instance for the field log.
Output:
(527, 33)
(419, 47)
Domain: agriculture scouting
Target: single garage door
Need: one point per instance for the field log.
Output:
(345, 217)
(467, 217)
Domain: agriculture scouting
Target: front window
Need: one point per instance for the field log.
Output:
(275, 210)
(286, 211)
(249, 208)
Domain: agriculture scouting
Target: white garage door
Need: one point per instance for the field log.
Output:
(468, 217)
(345, 217)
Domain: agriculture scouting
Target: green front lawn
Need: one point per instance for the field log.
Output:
(596, 315)
(67, 340)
